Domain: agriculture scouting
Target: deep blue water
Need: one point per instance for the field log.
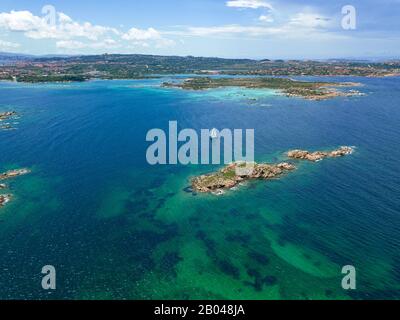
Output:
(115, 227)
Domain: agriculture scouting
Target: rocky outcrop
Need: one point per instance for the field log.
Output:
(235, 173)
(13, 174)
(6, 115)
(319, 155)
(4, 199)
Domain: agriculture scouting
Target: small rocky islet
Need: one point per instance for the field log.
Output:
(319, 155)
(236, 173)
(5, 198)
(6, 116)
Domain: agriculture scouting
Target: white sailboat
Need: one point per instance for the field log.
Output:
(214, 134)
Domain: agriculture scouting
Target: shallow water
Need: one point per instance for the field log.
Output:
(115, 227)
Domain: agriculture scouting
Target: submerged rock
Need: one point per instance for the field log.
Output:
(319, 155)
(3, 186)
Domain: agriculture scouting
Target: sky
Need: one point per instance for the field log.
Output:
(260, 29)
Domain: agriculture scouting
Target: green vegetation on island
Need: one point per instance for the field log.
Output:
(289, 87)
(236, 173)
(135, 66)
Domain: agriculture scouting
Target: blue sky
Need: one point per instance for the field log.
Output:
(225, 28)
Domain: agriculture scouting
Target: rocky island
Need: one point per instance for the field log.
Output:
(234, 174)
(230, 176)
(319, 155)
(289, 87)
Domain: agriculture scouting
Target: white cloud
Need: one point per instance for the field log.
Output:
(142, 34)
(66, 28)
(252, 4)
(6, 45)
(37, 28)
(309, 20)
(266, 18)
(303, 25)
(20, 21)
(76, 45)
(143, 37)
(231, 30)
(73, 35)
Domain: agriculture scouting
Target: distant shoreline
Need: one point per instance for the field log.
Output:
(110, 67)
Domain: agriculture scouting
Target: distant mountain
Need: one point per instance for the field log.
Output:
(10, 57)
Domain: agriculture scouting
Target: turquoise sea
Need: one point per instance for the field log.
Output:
(115, 227)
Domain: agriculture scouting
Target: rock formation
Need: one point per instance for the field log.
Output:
(7, 115)
(13, 173)
(319, 155)
(4, 198)
(235, 173)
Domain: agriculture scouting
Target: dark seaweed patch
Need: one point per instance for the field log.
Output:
(210, 244)
(258, 257)
(169, 262)
(270, 280)
(228, 268)
(253, 273)
(259, 280)
(328, 293)
(239, 236)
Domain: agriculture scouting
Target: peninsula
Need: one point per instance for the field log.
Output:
(234, 174)
(289, 87)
